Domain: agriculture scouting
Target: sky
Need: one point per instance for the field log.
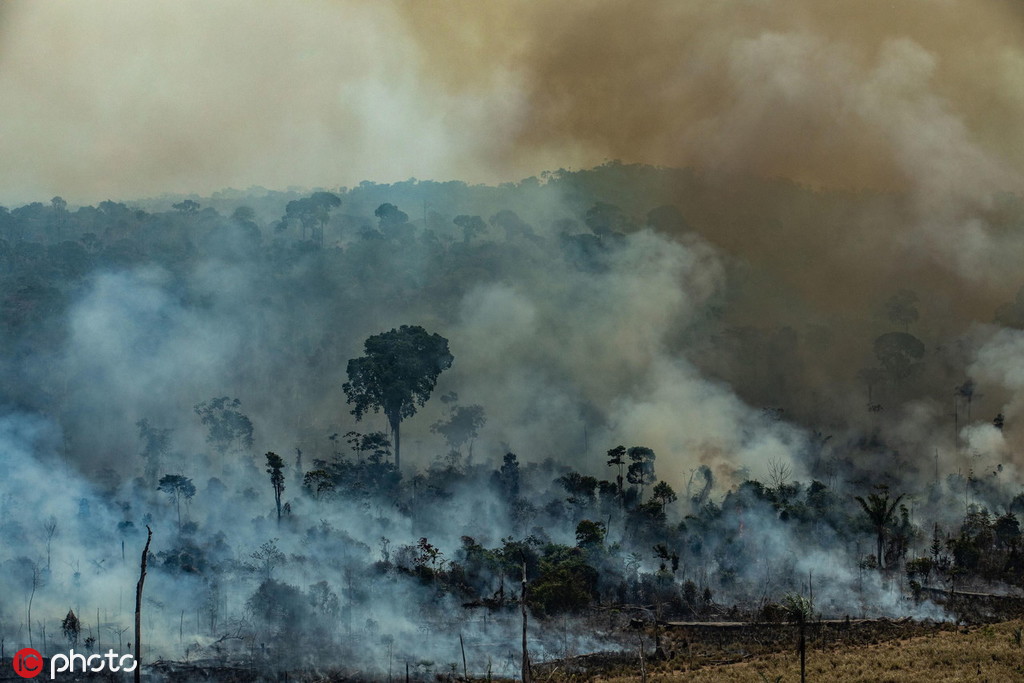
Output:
(121, 100)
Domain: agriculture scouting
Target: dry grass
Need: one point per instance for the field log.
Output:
(984, 653)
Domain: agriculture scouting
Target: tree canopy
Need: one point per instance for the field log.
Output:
(397, 375)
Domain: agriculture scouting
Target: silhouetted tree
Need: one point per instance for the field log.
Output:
(187, 207)
(394, 223)
(879, 510)
(177, 487)
(471, 226)
(898, 352)
(901, 308)
(463, 425)
(641, 469)
(275, 467)
(228, 427)
(71, 627)
(156, 443)
(664, 494)
(397, 375)
(617, 458)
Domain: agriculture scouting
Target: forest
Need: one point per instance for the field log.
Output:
(418, 429)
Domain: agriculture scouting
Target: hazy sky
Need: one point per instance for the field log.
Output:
(106, 99)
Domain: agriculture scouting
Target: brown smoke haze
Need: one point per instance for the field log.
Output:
(140, 97)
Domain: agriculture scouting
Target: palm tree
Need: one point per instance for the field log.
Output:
(879, 510)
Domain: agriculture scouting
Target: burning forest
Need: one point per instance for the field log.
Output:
(752, 382)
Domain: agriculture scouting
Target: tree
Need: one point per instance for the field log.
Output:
(471, 226)
(871, 376)
(879, 510)
(156, 444)
(187, 207)
(394, 223)
(898, 353)
(50, 527)
(229, 428)
(664, 494)
(605, 219)
(617, 458)
(641, 469)
(177, 487)
(243, 214)
(60, 211)
(310, 212)
(800, 610)
(71, 627)
(463, 425)
(318, 482)
(275, 467)
(508, 476)
(590, 534)
(397, 375)
(901, 308)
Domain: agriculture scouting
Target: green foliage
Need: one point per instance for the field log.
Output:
(566, 582)
(641, 466)
(663, 494)
(590, 534)
(280, 607)
(879, 509)
(397, 374)
(228, 428)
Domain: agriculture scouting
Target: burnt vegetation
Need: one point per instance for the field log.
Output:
(373, 430)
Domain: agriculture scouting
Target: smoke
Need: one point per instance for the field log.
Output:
(837, 156)
(109, 101)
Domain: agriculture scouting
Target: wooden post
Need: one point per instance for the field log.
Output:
(138, 607)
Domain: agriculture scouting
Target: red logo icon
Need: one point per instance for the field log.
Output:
(28, 663)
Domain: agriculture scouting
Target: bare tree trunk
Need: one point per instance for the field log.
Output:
(527, 677)
(395, 425)
(138, 607)
(35, 584)
(465, 673)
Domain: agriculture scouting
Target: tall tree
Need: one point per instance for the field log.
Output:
(664, 494)
(879, 510)
(275, 468)
(641, 469)
(177, 487)
(617, 458)
(229, 428)
(397, 375)
(899, 353)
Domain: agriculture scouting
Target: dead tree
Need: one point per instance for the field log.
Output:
(138, 607)
(527, 678)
